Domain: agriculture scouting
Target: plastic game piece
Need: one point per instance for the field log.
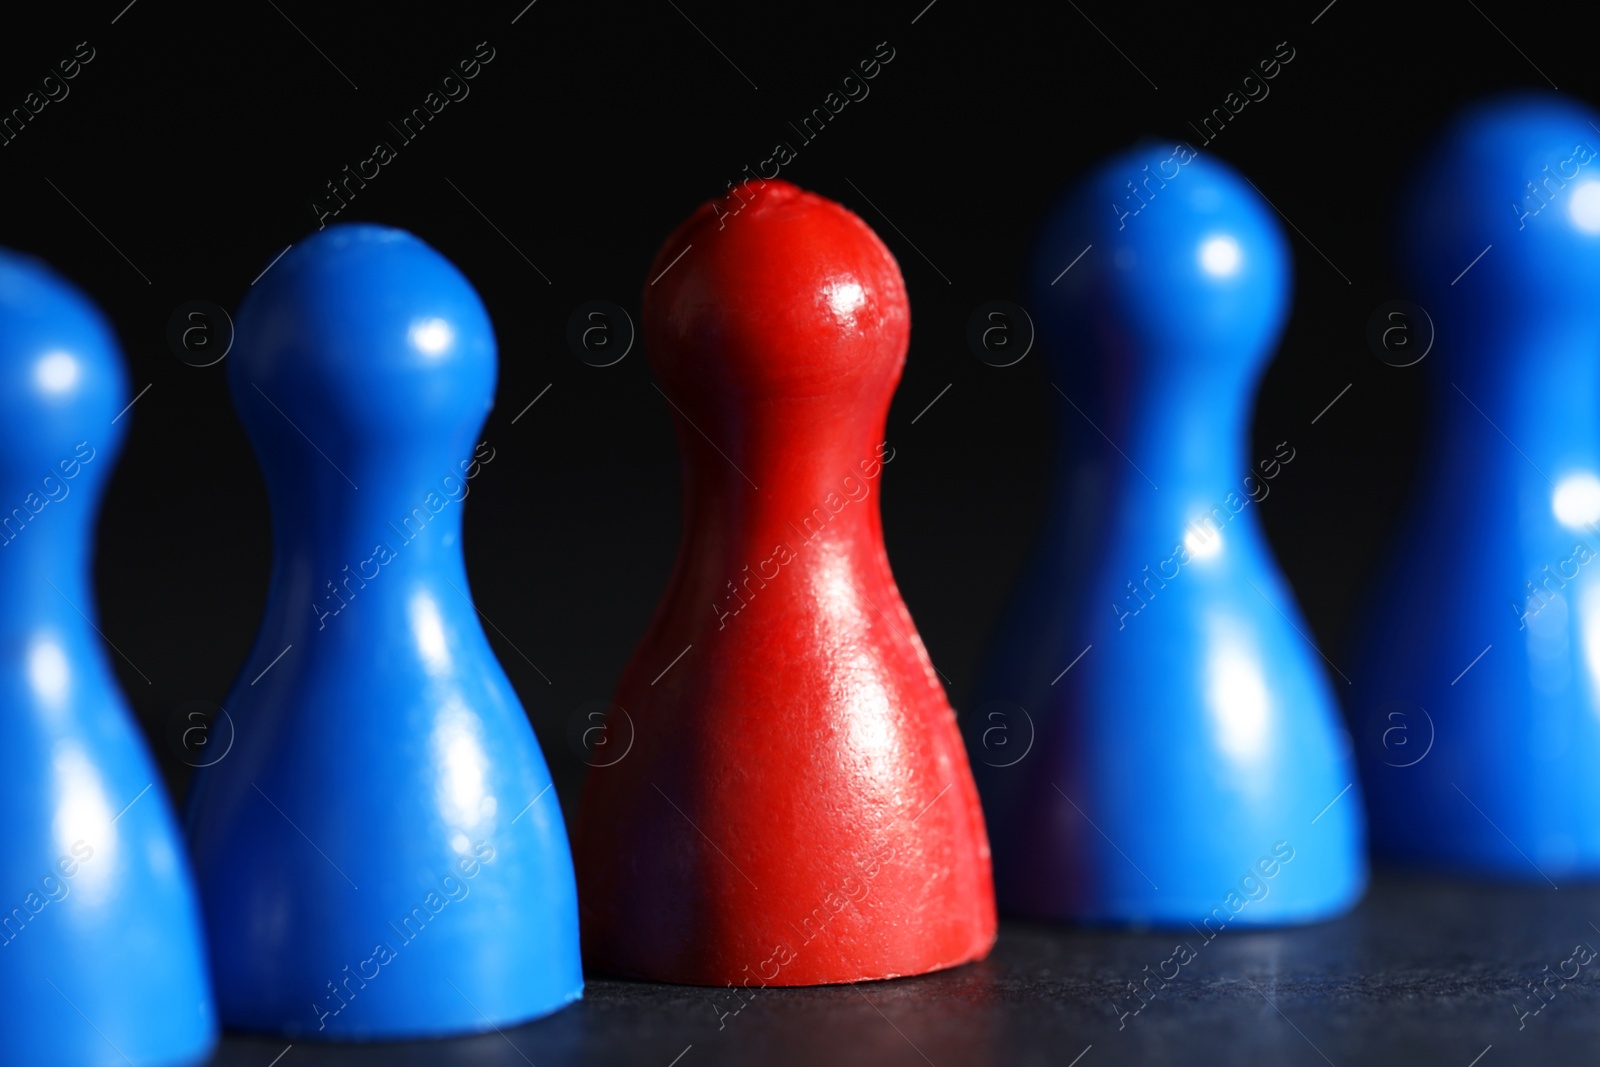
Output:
(797, 807)
(1479, 686)
(101, 959)
(381, 854)
(1188, 764)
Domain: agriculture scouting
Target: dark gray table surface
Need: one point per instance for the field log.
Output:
(1423, 972)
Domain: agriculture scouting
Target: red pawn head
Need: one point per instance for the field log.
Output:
(796, 807)
(781, 293)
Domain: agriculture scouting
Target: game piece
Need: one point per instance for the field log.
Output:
(1188, 763)
(1479, 684)
(381, 854)
(797, 807)
(101, 959)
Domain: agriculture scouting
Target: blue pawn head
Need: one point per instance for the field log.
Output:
(369, 347)
(381, 855)
(61, 383)
(100, 946)
(1503, 224)
(1187, 273)
(1187, 738)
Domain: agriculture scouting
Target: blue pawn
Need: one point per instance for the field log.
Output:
(1484, 636)
(100, 954)
(381, 855)
(1187, 762)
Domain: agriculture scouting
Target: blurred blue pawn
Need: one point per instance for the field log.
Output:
(381, 856)
(1483, 640)
(1188, 764)
(101, 960)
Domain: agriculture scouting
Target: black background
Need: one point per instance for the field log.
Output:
(197, 138)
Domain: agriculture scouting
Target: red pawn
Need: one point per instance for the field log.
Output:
(797, 806)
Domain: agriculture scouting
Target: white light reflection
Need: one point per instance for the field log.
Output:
(844, 300)
(1200, 546)
(1220, 256)
(462, 767)
(432, 337)
(1584, 207)
(1576, 501)
(56, 372)
(1589, 622)
(83, 830)
(48, 672)
(428, 628)
(1236, 693)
